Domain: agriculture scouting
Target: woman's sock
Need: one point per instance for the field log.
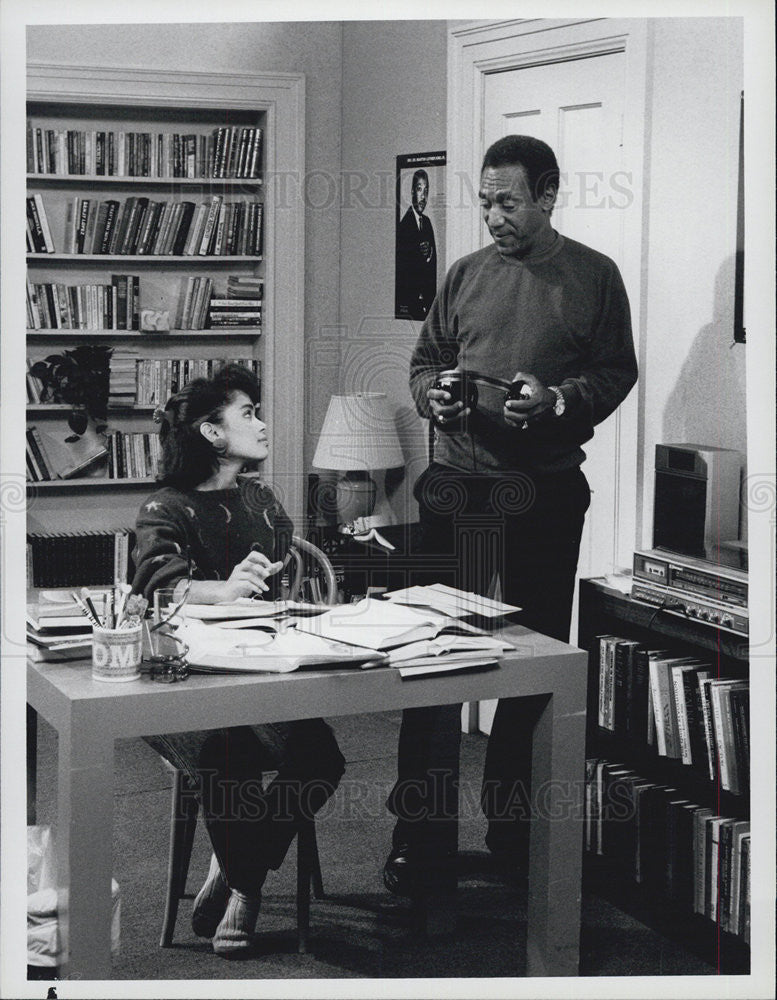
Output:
(234, 935)
(211, 902)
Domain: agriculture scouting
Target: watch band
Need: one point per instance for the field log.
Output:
(560, 404)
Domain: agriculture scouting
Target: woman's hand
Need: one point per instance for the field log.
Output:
(247, 578)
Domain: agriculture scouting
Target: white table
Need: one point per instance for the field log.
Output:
(89, 716)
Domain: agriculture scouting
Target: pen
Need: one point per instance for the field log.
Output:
(87, 599)
(123, 590)
(92, 618)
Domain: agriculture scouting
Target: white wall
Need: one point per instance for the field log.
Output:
(692, 381)
(394, 102)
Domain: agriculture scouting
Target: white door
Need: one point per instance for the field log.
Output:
(576, 106)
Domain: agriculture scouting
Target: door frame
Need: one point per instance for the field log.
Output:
(478, 48)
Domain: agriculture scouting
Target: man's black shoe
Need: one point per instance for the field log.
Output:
(400, 873)
(411, 870)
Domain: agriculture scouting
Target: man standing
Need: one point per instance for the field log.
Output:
(541, 308)
(416, 263)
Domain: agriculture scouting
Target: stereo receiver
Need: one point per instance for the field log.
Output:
(693, 588)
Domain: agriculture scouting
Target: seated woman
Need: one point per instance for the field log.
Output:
(236, 534)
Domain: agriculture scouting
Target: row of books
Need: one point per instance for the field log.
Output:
(679, 706)
(78, 558)
(696, 858)
(198, 309)
(39, 238)
(133, 455)
(151, 382)
(223, 152)
(57, 306)
(50, 456)
(145, 227)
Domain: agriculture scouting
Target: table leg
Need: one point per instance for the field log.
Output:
(84, 844)
(32, 765)
(555, 857)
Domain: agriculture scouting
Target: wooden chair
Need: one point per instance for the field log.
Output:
(306, 558)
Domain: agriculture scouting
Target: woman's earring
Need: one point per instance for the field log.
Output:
(219, 446)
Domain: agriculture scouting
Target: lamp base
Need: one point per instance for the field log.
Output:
(356, 494)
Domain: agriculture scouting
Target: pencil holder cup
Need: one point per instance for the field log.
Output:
(116, 653)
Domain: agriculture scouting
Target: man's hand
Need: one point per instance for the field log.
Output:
(540, 402)
(425, 247)
(446, 414)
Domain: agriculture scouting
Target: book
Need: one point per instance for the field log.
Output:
(676, 860)
(642, 793)
(743, 904)
(215, 649)
(588, 808)
(656, 854)
(613, 806)
(700, 858)
(739, 830)
(739, 698)
(40, 209)
(709, 733)
(205, 243)
(723, 727)
(196, 228)
(712, 888)
(623, 683)
(606, 681)
(664, 705)
(42, 459)
(684, 680)
(184, 221)
(69, 459)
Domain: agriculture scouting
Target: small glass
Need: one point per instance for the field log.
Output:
(167, 651)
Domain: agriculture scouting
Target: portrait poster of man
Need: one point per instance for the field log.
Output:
(420, 232)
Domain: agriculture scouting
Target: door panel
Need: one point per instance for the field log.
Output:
(576, 106)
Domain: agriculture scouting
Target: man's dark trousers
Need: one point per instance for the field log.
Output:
(527, 528)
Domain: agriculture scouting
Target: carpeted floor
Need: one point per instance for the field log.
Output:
(359, 930)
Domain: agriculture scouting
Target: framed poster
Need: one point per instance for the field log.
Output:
(420, 232)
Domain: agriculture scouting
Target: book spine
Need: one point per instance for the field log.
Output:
(601, 716)
(681, 713)
(743, 921)
(210, 225)
(724, 736)
(36, 446)
(657, 694)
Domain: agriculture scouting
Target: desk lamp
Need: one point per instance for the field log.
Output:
(358, 436)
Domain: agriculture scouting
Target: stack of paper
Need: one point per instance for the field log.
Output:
(57, 629)
(212, 647)
(449, 601)
(275, 637)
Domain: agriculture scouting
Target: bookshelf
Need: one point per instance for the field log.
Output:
(267, 109)
(609, 867)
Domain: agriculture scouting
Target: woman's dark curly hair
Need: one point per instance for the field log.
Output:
(187, 457)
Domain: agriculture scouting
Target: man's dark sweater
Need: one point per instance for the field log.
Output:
(561, 315)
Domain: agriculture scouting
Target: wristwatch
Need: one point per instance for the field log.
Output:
(560, 404)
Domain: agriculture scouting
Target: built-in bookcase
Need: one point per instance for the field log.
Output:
(77, 120)
(654, 788)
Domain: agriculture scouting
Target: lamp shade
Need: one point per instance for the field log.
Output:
(358, 435)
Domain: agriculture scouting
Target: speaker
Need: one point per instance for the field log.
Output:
(696, 503)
